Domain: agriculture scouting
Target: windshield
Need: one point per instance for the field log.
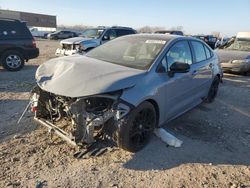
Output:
(92, 33)
(240, 45)
(136, 52)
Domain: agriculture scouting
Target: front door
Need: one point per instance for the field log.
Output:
(179, 87)
(108, 35)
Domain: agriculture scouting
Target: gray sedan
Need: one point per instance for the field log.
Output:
(125, 88)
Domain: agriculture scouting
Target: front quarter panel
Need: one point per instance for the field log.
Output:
(150, 87)
(216, 69)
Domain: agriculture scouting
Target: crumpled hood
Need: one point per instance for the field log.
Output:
(77, 76)
(229, 55)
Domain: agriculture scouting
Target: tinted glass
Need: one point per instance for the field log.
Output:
(135, 52)
(14, 29)
(179, 52)
(111, 34)
(199, 51)
(121, 32)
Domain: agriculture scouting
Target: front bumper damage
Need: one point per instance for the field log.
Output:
(65, 52)
(80, 121)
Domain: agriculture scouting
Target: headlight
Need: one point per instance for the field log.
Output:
(241, 61)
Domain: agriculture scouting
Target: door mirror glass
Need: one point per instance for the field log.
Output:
(179, 67)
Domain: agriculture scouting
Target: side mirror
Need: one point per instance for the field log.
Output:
(179, 67)
(106, 37)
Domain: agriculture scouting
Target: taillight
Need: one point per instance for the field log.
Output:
(34, 102)
(33, 43)
(33, 109)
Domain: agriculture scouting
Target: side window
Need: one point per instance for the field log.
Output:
(122, 32)
(208, 52)
(179, 52)
(164, 65)
(199, 51)
(11, 29)
(111, 34)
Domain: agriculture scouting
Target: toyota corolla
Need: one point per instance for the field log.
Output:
(125, 88)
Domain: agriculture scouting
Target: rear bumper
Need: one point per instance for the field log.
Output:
(31, 53)
(236, 67)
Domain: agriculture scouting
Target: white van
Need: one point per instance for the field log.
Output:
(41, 31)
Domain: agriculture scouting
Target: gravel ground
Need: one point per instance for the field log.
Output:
(215, 152)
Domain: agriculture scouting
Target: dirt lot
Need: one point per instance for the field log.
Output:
(215, 153)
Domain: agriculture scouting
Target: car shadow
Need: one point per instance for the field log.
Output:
(11, 110)
(205, 141)
(21, 81)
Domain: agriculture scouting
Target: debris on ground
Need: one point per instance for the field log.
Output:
(168, 138)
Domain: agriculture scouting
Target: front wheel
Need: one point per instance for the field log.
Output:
(135, 131)
(213, 90)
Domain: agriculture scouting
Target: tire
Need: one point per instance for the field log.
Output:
(135, 131)
(212, 93)
(12, 60)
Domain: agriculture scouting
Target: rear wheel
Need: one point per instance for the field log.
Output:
(135, 132)
(12, 60)
(213, 90)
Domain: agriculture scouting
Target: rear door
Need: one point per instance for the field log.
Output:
(201, 70)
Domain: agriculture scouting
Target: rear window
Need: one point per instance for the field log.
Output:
(208, 52)
(13, 29)
(199, 51)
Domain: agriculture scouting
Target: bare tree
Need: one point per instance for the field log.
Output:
(216, 34)
(177, 28)
(80, 27)
(149, 29)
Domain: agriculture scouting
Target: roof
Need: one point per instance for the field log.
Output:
(167, 31)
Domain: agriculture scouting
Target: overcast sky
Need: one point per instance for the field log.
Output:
(196, 16)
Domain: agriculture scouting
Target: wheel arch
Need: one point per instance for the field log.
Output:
(157, 110)
(20, 50)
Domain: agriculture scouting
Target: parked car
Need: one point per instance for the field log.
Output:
(235, 56)
(125, 88)
(91, 38)
(16, 44)
(61, 35)
(171, 32)
(209, 39)
(221, 42)
(41, 31)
